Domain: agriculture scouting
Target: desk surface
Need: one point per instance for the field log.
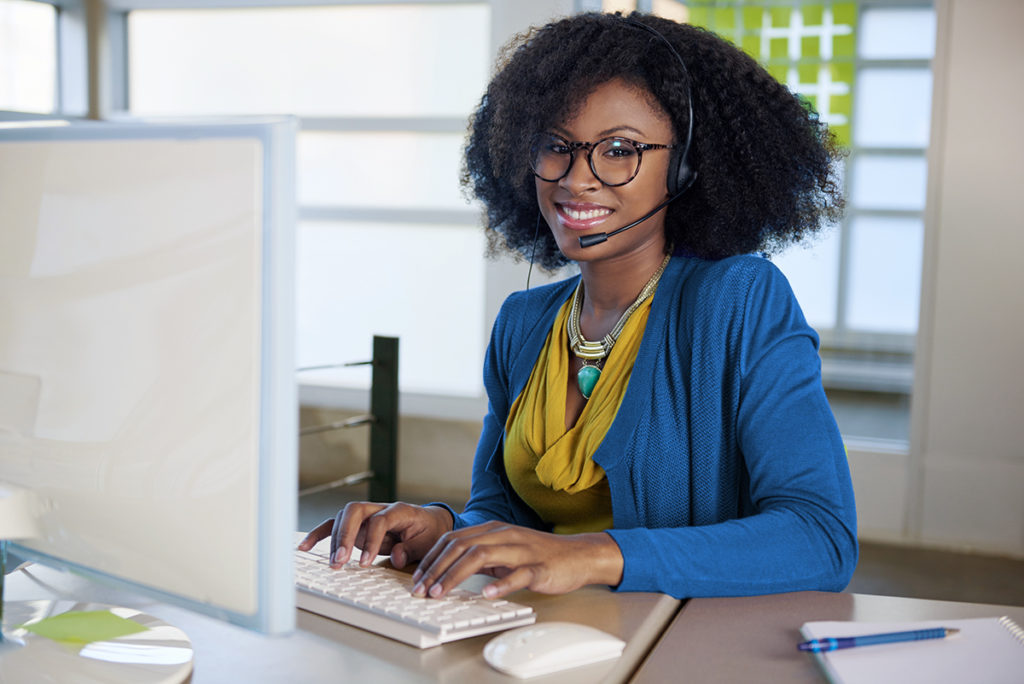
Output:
(754, 638)
(320, 650)
(709, 640)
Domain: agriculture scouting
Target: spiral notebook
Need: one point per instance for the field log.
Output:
(987, 650)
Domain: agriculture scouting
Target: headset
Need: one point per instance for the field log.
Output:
(680, 175)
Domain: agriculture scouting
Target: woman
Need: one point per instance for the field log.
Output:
(658, 423)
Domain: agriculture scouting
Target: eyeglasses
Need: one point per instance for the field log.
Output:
(614, 161)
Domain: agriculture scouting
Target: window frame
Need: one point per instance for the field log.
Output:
(96, 34)
(855, 359)
(842, 338)
(468, 217)
(72, 77)
(500, 276)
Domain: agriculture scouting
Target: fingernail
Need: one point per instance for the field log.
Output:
(490, 591)
(436, 590)
(417, 590)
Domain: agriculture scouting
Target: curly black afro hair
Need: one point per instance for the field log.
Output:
(766, 166)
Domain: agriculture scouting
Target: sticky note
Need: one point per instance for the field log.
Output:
(84, 626)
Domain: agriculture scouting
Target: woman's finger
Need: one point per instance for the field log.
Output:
(381, 528)
(347, 526)
(316, 534)
(474, 559)
(378, 532)
(430, 559)
(464, 554)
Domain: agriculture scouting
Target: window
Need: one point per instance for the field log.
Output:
(866, 68)
(383, 92)
(383, 89)
(28, 56)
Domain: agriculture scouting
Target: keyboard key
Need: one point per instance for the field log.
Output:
(380, 599)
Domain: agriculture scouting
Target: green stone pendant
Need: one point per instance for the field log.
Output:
(586, 378)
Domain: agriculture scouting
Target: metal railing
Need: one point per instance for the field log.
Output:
(383, 421)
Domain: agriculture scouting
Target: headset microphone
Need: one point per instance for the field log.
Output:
(598, 238)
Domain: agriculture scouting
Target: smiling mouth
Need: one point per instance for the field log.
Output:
(582, 218)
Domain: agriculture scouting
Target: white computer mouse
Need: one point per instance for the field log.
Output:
(546, 647)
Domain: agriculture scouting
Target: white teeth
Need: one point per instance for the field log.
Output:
(585, 215)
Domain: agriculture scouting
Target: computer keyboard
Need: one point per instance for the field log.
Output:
(379, 599)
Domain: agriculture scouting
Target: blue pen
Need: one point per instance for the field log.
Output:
(832, 643)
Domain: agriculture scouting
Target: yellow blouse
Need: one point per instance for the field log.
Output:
(552, 468)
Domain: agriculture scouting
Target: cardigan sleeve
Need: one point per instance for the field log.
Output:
(798, 531)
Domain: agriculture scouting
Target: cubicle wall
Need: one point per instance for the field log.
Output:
(147, 391)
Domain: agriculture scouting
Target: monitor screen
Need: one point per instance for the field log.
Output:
(147, 392)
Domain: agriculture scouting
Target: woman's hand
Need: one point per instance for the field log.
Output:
(405, 531)
(520, 558)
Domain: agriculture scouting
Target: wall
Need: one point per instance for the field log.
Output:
(961, 485)
(966, 484)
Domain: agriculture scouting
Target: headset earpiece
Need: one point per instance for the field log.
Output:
(680, 175)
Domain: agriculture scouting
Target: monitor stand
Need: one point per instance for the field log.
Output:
(160, 654)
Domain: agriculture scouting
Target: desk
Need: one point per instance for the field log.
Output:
(321, 650)
(754, 638)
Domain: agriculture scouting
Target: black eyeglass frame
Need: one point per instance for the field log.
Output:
(641, 147)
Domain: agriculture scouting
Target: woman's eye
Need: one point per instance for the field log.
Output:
(619, 151)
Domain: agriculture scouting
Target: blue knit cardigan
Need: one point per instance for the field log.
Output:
(727, 473)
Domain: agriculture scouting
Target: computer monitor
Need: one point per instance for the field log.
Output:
(147, 392)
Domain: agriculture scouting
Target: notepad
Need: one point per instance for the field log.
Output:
(987, 650)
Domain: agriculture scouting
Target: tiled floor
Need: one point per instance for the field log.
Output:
(883, 569)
